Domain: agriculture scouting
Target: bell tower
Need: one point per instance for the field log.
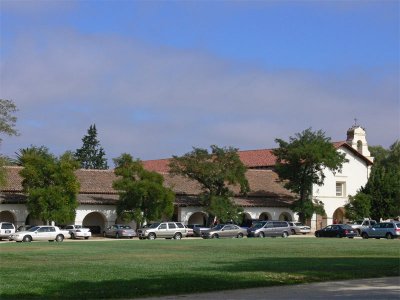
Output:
(356, 138)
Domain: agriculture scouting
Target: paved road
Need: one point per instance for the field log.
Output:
(373, 288)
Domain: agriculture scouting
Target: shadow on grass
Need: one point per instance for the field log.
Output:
(221, 276)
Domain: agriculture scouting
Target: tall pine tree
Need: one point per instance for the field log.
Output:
(91, 155)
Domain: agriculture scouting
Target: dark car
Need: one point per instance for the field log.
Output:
(336, 230)
(119, 231)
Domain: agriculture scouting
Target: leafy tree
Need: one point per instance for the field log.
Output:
(217, 172)
(383, 185)
(301, 162)
(142, 196)
(358, 206)
(7, 126)
(50, 184)
(91, 155)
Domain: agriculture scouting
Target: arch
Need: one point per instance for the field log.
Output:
(338, 216)
(285, 216)
(247, 220)
(198, 217)
(265, 216)
(30, 220)
(7, 216)
(360, 146)
(95, 221)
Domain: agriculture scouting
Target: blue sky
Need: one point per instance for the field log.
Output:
(158, 77)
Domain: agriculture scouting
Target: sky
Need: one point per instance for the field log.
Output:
(160, 77)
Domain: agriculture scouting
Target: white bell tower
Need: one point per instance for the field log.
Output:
(356, 138)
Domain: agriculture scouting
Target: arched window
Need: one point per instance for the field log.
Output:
(359, 146)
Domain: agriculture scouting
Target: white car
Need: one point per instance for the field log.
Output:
(6, 230)
(41, 233)
(78, 231)
(297, 227)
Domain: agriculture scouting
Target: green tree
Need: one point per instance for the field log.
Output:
(7, 126)
(358, 206)
(91, 155)
(383, 185)
(301, 163)
(142, 196)
(217, 172)
(50, 184)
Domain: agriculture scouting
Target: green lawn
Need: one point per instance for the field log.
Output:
(129, 268)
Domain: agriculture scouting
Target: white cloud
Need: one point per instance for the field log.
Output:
(156, 102)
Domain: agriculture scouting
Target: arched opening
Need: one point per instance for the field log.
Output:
(247, 220)
(338, 216)
(265, 216)
(95, 221)
(285, 216)
(30, 220)
(359, 146)
(7, 216)
(199, 218)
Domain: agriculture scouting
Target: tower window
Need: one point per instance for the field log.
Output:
(359, 146)
(340, 189)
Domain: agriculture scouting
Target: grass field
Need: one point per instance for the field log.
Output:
(131, 269)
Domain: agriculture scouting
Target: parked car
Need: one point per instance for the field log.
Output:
(336, 230)
(197, 229)
(175, 230)
(269, 228)
(6, 230)
(41, 233)
(190, 232)
(119, 231)
(224, 230)
(359, 225)
(387, 230)
(78, 231)
(297, 228)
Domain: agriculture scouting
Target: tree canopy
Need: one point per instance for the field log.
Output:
(301, 163)
(142, 196)
(383, 186)
(217, 172)
(7, 126)
(91, 155)
(50, 184)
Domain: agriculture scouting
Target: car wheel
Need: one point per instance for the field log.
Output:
(364, 235)
(214, 236)
(104, 234)
(338, 235)
(177, 236)
(152, 236)
(358, 232)
(27, 239)
(240, 235)
(72, 236)
(389, 236)
(285, 234)
(261, 235)
(86, 237)
(293, 231)
(117, 235)
(59, 238)
(317, 235)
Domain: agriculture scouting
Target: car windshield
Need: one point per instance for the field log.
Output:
(258, 225)
(126, 227)
(298, 224)
(218, 227)
(154, 225)
(346, 227)
(33, 228)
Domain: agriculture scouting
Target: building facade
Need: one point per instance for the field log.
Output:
(267, 199)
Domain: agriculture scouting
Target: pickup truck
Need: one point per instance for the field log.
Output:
(41, 233)
(360, 225)
(78, 231)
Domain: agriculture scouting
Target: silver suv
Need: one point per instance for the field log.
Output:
(269, 228)
(6, 230)
(387, 230)
(167, 230)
